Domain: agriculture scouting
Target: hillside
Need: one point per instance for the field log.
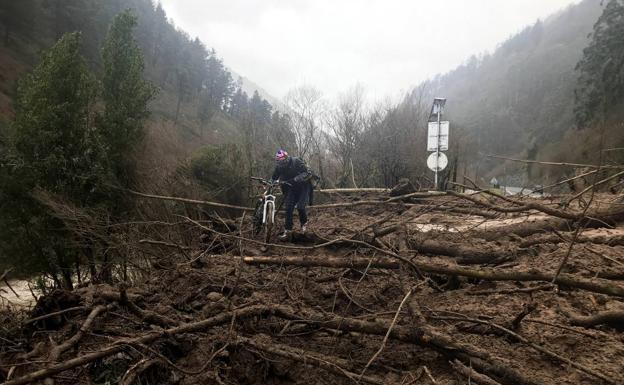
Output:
(519, 100)
(195, 84)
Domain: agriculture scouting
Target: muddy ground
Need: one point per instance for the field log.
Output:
(277, 323)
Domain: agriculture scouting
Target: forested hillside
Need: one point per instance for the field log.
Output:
(519, 101)
(199, 101)
(98, 97)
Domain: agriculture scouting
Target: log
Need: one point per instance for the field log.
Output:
(610, 240)
(404, 187)
(338, 263)
(472, 374)
(466, 210)
(520, 208)
(394, 200)
(467, 254)
(352, 190)
(594, 285)
(604, 166)
(191, 201)
(612, 318)
(558, 220)
(524, 229)
(251, 209)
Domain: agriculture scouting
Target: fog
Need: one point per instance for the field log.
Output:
(386, 45)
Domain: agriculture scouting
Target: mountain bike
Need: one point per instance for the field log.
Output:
(264, 213)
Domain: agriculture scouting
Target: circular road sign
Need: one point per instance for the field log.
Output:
(442, 161)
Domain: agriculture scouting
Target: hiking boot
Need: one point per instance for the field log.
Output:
(284, 236)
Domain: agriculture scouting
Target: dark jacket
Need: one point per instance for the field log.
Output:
(295, 172)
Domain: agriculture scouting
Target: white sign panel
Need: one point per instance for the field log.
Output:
(432, 136)
(437, 161)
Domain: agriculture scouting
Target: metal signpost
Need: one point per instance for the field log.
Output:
(437, 139)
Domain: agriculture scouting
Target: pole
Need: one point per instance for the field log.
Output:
(437, 164)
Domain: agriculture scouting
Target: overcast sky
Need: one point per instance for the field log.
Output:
(386, 45)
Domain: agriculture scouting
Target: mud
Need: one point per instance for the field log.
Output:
(215, 283)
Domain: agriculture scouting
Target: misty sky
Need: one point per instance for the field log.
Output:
(386, 45)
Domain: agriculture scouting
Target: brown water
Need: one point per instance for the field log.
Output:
(23, 299)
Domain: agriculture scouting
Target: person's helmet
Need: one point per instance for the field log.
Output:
(281, 158)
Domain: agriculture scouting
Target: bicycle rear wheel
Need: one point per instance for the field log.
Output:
(256, 220)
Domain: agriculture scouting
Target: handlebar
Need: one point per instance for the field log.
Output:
(268, 183)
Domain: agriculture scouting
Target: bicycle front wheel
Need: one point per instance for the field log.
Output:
(268, 225)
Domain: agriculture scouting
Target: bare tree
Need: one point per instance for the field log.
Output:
(347, 122)
(392, 145)
(306, 107)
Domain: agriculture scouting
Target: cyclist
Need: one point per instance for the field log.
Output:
(296, 188)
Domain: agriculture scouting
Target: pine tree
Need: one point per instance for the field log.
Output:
(51, 146)
(601, 69)
(126, 95)
(52, 133)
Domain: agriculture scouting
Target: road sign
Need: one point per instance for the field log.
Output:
(432, 136)
(437, 161)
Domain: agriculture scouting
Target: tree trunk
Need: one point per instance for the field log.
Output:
(88, 252)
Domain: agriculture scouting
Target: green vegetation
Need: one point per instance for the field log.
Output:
(601, 81)
(125, 94)
(84, 121)
(60, 144)
(51, 146)
(220, 169)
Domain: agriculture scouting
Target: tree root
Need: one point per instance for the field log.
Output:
(135, 370)
(57, 350)
(146, 315)
(331, 364)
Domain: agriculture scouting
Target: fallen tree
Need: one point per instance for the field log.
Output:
(606, 239)
(612, 318)
(594, 285)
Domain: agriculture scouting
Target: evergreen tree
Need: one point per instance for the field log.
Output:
(52, 147)
(239, 103)
(218, 87)
(601, 79)
(126, 95)
(51, 133)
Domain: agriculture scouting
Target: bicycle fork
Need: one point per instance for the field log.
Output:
(268, 200)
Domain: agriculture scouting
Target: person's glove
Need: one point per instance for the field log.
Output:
(298, 179)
